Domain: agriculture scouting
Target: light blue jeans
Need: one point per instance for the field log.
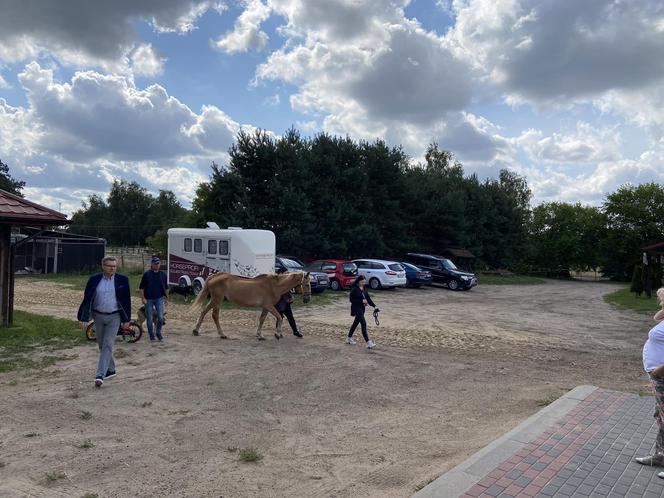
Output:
(158, 305)
(106, 330)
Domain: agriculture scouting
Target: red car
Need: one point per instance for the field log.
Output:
(342, 273)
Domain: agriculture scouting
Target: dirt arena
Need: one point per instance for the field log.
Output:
(452, 372)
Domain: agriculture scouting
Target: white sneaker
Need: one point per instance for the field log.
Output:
(371, 344)
(350, 340)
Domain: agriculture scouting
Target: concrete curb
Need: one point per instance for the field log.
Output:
(461, 478)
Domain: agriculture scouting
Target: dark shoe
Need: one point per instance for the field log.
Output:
(651, 460)
(297, 333)
(160, 338)
(109, 375)
(98, 381)
(152, 339)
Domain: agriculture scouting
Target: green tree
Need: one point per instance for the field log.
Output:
(635, 217)
(8, 183)
(92, 219)
(637, 280)
(567, 235)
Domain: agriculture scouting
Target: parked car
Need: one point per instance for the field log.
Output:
(416, 277)
(319, 280)
(443, 271)
(380, 273)
(342, 273)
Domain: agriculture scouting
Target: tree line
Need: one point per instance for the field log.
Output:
(331, 196)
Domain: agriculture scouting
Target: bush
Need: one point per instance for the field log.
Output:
(637, 280)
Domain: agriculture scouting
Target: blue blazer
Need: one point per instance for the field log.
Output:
(122, 294)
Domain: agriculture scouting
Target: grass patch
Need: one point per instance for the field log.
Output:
(548, 400)
(77, 281)
(31, 434)
(86, 444)
(55, 475)
(90, 495)
(178, 412)
(145, 404)
(624, 299)
(322, 299)
(250, 455)
(86, 415)
(483, 279)
(36, 341)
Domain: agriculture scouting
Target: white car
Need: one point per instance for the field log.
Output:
(380, 273)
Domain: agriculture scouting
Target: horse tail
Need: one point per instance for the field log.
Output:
(200, 300)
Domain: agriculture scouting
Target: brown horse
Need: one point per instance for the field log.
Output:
(262, 291)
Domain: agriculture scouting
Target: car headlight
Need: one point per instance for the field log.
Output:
(464, 277)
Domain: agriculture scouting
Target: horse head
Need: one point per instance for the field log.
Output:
(304, 287)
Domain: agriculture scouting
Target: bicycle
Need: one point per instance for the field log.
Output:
(131, 333)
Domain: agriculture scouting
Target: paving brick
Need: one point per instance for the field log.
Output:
(494, 490)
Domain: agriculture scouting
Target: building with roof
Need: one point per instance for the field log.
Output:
(16, 211)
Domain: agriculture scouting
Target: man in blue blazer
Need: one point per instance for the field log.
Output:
(107, 299)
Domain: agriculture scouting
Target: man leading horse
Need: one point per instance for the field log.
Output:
(262, 291)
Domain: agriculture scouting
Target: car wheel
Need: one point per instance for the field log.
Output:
(374, 283)
(197, 287)
(453, 284)
(334, 285)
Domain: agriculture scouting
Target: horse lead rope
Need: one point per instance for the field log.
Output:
(375, 315)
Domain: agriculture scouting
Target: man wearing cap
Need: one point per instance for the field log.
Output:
(154, 292)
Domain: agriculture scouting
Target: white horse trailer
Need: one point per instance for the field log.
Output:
(196, 253)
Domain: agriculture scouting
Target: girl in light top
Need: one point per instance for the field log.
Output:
(653, 363)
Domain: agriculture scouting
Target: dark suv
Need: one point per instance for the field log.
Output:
(319, 280)
(443, 271)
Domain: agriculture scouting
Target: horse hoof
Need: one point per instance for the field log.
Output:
(261, 338)
(194, 332)
(277, 336)
(223, 337)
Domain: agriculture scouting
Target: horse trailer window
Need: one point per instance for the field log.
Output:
(187, 245)
(198, 245)
(212, 247)
(223, 247)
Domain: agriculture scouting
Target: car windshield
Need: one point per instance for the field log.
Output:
(289, 263)
(449, 265)
(349, 267)
(395, 267)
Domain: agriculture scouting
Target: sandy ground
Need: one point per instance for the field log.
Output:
(452, 372)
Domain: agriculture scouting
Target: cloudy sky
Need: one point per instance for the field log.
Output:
(568, 93)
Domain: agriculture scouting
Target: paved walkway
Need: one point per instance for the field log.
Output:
(582, 445)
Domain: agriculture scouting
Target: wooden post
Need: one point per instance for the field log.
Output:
(5, 273)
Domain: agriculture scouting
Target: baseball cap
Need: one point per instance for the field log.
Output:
(155, 260)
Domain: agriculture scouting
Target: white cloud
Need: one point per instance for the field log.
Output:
(90, 34)
(585, 145)
(547, 52)
(3, 83)
(365, 68)
(246, 34)
(79, 136)
(146, 61)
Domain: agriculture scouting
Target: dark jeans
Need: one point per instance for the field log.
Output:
(288, 313)
(359, 320)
